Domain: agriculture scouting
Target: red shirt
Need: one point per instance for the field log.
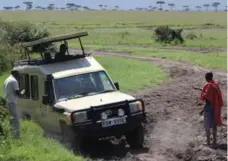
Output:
(212, 93)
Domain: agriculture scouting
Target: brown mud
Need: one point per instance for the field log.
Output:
(174, 129)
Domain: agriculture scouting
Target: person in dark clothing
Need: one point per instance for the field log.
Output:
(61, 55)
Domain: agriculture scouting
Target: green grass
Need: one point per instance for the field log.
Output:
(138, 36)
(3, 76)
(132, 74)
(209, 60)
(128, 27)
(34, 147)
(120, 18)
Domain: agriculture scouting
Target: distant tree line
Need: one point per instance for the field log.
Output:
(72, 6)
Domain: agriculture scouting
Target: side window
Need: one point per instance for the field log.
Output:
(106, 82)
(24, 84)
(34, 87)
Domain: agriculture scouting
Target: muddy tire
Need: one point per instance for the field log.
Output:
(88, 143)
(135, 138)
(76, 144)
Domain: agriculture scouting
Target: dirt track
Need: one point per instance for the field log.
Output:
(174, 129)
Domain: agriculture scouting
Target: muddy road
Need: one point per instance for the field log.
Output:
(174, 129)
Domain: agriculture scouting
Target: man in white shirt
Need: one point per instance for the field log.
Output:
(11, 89)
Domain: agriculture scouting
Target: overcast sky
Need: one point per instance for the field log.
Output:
(124, 4)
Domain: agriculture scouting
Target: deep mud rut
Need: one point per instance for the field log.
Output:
(174, 129)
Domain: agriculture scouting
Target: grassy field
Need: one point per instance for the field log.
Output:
(117, 18)
(214, 60)
(123, 28)
(34, 147)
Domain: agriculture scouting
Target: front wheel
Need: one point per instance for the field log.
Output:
(135, 138)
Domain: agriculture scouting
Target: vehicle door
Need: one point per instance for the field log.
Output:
(49, 117)
(29, 102)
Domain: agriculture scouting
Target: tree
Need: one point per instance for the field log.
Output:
(28, 5)
(186, 8)
(51, 6)
(206, 6)
(38, 7)
(16, 7)
(70, 6)
(171, 5)
(116, 7)
(198, 8)
(215, 5)
(8, 8)
(160, 3)
(100, 6)
(77, 7)
(86, 8)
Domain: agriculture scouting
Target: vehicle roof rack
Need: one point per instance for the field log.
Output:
(54, 39)
(36, 62)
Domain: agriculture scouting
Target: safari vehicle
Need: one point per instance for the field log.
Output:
(76, 97)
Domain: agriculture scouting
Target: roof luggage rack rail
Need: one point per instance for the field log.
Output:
(42, 62)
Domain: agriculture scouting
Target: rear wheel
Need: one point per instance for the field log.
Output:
(135, 138)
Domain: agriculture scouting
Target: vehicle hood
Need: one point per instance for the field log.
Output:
(94, 100)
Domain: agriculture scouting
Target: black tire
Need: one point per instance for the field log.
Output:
(135, 138)
(76, 144)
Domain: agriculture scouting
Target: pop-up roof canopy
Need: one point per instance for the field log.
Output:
(48, 40)
(54, 39)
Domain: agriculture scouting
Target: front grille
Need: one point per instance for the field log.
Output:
(95, 112)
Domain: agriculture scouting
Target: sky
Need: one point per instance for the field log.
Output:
(123, 4)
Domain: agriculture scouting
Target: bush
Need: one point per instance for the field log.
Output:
(167, 35)
(8, 54)
(4, 123)
(17, 32)
(14, 33)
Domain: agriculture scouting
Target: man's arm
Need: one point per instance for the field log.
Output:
(17, 90)
(198, 88)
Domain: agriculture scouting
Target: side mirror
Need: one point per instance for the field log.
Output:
(117, 85)
(45, 100)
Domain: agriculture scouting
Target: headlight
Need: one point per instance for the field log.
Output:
(104, 116)
(135, 106)
(80, 117)
(120, 112)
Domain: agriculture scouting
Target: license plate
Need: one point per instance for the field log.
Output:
(113, 122)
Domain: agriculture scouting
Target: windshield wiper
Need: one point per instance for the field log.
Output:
(78, 95)
(106, 91)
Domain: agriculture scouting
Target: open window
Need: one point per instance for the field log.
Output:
(34, 87)
(24, 84)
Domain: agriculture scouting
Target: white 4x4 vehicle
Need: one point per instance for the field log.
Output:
(76, 96)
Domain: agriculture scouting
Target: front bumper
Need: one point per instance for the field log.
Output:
(96, 130)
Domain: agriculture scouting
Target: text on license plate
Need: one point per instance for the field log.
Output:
(113, 122)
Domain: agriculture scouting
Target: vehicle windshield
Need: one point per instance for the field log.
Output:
(82, 85)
